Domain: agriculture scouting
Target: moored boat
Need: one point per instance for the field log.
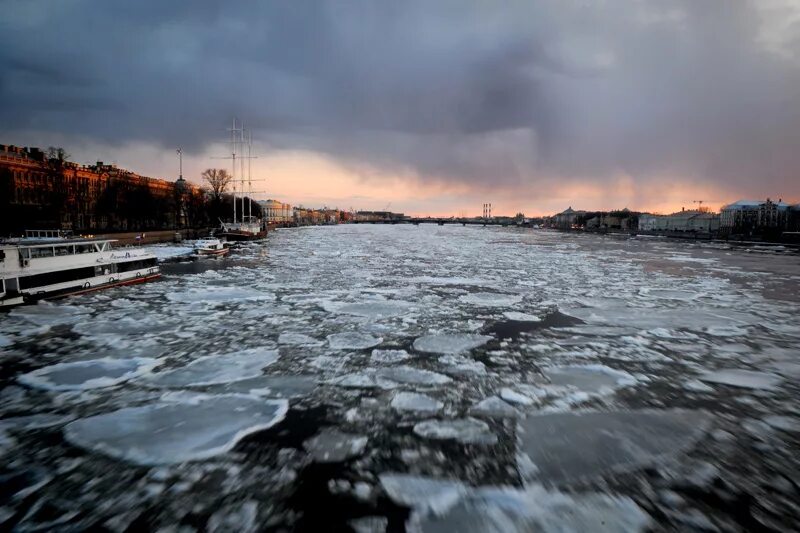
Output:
(210, 247)
(245, 226)
(243, 231)
(36, 268)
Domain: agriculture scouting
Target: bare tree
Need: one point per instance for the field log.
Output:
(218, 179)
(57, 154)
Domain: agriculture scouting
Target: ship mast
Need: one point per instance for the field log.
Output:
(233, 166)
(241, 174)
(249, 176)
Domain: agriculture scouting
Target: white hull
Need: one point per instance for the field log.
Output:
(35, 270)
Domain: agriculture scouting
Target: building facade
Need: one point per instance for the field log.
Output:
(38, 191)
(276, 212)
(751, 216)
(566, 219)
(692, 220)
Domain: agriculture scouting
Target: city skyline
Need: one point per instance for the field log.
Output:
(425, 109)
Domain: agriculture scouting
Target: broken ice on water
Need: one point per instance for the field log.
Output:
(567, 447)
(215, 369)
(352, 341)
(88, 374)
(491, 299)
(298, 339)
(333, 446)
(464, 430)
(412, 376)
(376, 309)
(388, 356)
(416, 402)
(745, 379)
(423, 494)
(510, 510)
(411, 388)
(450, 343)
(592, 379)
(191, 428)
(494, 407)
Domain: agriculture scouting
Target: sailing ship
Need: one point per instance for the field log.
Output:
(49, 264)
(245, 226)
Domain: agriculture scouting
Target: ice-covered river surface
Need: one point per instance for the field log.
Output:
(422, 378)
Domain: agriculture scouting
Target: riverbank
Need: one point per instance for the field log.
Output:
(153, 237)
(686, 236)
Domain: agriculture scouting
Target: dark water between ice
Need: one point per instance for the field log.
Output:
(377, 378)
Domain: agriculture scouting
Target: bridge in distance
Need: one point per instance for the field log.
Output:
(442, 221)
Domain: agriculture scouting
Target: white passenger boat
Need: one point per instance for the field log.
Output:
(210, 247)
(49, 265)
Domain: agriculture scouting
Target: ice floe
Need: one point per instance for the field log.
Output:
(745, 379)
(352, 340)
(423, 494)
(190, 428)
(333, 446)
(568, 447)
(521, 317)
(414, 401)
(512, 396)
(457, 365)
(298, 339)
(494, 407)
(450, 343)
(375, 310)
(88, 374)
(272, 386)
(412, 376)
(388, 356)
(363, 380)
(591, 379)
(215, 369)
(211, 294)
(491, 299)
(466, 430)
(510, 510)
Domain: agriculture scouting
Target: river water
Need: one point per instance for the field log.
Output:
(429, 378)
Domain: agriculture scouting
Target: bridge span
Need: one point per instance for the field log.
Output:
(442, 221)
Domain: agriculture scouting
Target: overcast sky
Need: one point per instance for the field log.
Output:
(435, 106)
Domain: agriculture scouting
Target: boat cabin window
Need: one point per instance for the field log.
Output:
(35, 253)
(84, 248)
(52, 278)
(143, 264)
(2, 256)
(63, 250)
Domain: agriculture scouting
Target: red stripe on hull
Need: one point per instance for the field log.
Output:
(122, 283)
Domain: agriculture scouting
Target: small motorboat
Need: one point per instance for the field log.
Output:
(210, 247)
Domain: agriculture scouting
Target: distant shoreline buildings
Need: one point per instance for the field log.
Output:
(38, 190)
(43, 190)
(744, 218)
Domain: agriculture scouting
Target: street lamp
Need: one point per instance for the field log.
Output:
(180, 192)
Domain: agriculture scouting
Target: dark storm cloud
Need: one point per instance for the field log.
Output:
(478, 91)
